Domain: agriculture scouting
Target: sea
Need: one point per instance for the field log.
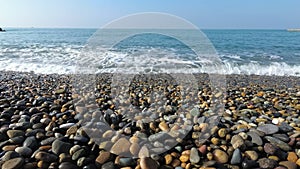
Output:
(50, 51)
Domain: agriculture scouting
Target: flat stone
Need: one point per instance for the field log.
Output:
(237, 141)
(134, 149)
(81, 139)
(255, 138)
(9, 148)
(31, 143)
(268, 129)
(103, 157)
(15, 133)
(148, 163)
(270, 149)
(16, 140)
(24, 151)
(72, 130)
(80, 153)
(236, 157)
(59, 147)
(15, 163)
(46, 157)
(121, 146)
(9, 155)
(108, 165)
(282, 137)
(288, 164)
(48, 141)
(285, 127)
(144, 152)
(267, 163)
(126, 161)
(284, 146)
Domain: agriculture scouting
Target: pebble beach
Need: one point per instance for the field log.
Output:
(43, 125)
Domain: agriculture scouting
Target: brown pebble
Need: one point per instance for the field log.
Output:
(42, 164)
(134, 149)
(184, 158)
(148, 163)
(202, 149)
(292, 157)
(175, 163)
(121, 146)
(163, 126)
(103, 157)
(288, 164)
(168, 159)
(9, 148)
(220, 156)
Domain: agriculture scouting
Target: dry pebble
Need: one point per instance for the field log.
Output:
(43, 124)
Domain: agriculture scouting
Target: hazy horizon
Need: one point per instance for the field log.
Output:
(205, 14)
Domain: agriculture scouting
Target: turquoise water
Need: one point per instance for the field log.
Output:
(268, 52)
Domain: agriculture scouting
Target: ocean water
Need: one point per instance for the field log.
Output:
(261, 52)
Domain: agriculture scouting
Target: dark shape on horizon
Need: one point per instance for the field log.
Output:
(2, 30)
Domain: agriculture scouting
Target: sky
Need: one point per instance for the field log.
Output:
(206, 14)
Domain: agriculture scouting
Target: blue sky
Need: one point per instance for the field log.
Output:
(219, 14)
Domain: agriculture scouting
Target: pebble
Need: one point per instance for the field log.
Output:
(15, 133)
(255, 138)
(24, 151)
(74, 149)
(31, 142)
(126, 161)
(284, 127)
(292, 157)
(9, 155)
(108, 165)
(268, 129)
(67, 165)
(121, 146)
(236, 157)
(270, 149)
(59, 147)
(284, 146)
(80, 153)
(220, 156)
(163, 126)
(288, 164)
(46, 157)
(134, 149)
(267, 163)
(15, 163)
(222, 132)
(184, 158)
(194, 156)
(237, 141)
(168, 159)
(252, 155)
(103, 157)
(148, 163)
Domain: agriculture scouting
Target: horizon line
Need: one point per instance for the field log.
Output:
(207, 28)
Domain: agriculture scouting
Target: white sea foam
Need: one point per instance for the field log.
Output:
(62, 60)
